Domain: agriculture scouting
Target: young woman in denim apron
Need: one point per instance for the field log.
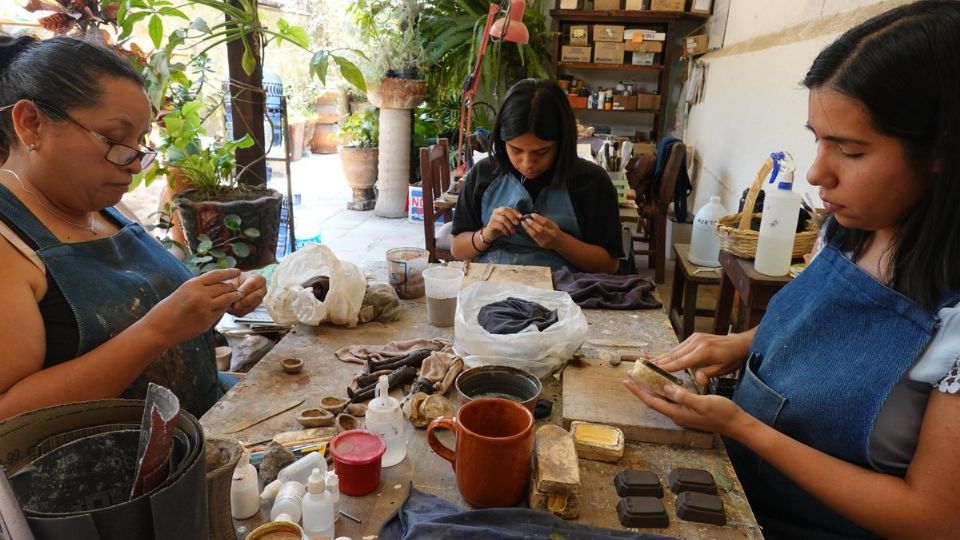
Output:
(846, 419)
(93, 307)
(534, 202)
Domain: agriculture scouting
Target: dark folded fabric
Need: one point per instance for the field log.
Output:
(426, 516)
(606, 291)
(513, 315)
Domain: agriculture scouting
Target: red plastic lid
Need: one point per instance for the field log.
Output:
(357, 447)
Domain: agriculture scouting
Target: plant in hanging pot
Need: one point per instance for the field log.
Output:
(359, 154)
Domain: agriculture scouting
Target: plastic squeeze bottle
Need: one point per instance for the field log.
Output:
(299, 470)
(385, 418)
(704, 250)
(333, 488)
(778, 225)
(288, 501)
(244, 491)
(318, 508)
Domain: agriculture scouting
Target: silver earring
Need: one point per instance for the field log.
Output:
(32, 147)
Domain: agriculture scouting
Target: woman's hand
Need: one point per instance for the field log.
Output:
(195, 306)
(503, 221)
(710, 355)
(714, 414)
(253, 288)
(542, 230)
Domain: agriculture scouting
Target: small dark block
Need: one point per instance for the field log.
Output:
(640, 483)
(642, 512)
(698, 480)
(700, 507)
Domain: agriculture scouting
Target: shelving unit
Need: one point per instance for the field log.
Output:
(674, 24)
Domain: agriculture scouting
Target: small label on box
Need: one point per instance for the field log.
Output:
(579, 35)
(608, 32)
(643, 58)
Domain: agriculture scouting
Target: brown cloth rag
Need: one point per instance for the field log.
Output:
(606, 291)
(440, 368)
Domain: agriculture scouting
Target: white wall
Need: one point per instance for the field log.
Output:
(753, 103)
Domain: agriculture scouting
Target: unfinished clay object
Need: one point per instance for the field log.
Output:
(435, 406)
(315, 418)
(223, 354)
(652, 377)
(333, 404)
(411, 409)
(292, 365)
(357, 409)
(345, 422)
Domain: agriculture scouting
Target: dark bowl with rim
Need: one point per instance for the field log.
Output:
(499, 382)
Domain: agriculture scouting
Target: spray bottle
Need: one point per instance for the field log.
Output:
(385, 418)
(778, 224)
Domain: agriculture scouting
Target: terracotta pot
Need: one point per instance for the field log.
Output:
(324, 139)
(398, 93)
(359, 166)
(296, 141)
(356, 106)
(259, 209)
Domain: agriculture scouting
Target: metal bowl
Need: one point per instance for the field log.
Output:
(499, 382)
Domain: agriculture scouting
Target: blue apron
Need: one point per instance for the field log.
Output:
(830, 348)
(110, 283)
(519, 248)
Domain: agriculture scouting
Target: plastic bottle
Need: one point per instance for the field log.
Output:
(299, 470)
(289, 501)
(704, 250)
(778, 225)
(385, 418)
(318, 512)
(333, 487)
(244, 491)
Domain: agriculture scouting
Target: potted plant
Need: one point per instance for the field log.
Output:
(359, 155)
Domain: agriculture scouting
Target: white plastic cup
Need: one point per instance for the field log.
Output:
(442, 285)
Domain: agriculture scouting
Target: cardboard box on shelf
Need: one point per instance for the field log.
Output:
(574, 53)
(624, 103)
(580, 34)
(667, 5)
(642, 58)
(571, 4)
(606, 5)
(608, 32)
(693, 45)
(577, 102)
(646, 102)
(643, 46)
(635, 5)
(608, 53)
(643, 34)
(643, 148)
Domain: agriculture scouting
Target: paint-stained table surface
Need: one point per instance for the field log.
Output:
(611, 333)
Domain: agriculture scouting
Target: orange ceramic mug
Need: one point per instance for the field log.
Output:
(494, 450)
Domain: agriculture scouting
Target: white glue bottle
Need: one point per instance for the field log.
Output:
(333, 488)
(244, 491)
(299, 470)
(385, 418)
(289, 501)
(704, 250)
(318, 512)
(778, 225)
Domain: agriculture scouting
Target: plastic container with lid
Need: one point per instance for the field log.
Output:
(778, 223)
(244, 491)
(385, 418)
(704, 249)
(356, 456)
(318, 509)
(333, 487)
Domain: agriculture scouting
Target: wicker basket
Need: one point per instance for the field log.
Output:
(222, 456)
(735, 235)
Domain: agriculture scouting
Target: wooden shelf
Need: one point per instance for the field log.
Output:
(622, 16)
(609, 67)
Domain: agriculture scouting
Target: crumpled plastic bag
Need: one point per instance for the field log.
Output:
(289, 302)
(537, 352)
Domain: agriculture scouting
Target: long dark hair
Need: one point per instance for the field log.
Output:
(904, 66)
(62, 72)
(539, 107)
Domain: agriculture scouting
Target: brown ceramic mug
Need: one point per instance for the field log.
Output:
(493, 452)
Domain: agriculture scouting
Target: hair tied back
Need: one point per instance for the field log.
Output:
(11, 48)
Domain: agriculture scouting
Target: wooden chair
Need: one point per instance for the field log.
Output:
(653, 214)
(435, 176)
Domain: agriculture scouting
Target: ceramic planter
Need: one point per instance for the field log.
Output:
(395, 98)
(360, 170)
(296, 141)
(324, 140)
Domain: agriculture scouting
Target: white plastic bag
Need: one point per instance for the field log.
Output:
(538, 352)
(288, 302)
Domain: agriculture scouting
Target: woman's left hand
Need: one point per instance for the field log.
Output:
(542, 230)
(252, 289)
(715, 414)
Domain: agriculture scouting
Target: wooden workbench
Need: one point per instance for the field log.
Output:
(323, 374)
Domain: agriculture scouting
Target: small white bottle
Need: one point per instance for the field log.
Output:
(299, 470)
(289, 501)
(318, 512)
(333, 487)
(778, 225)
(385, 418)
(704, 250)
(244, 491)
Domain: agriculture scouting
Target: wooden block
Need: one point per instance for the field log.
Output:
(597, 441)
(566, 506)
(556, 469)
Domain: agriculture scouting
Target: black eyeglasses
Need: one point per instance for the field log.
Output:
(117, 152)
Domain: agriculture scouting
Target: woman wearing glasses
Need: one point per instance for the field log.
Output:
(93, 307)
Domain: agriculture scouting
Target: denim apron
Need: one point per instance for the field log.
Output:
(830, 348)
(110, 283)
(519, 248)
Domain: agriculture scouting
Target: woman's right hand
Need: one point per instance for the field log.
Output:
(708, 354)
(503, 221)
(195, 306)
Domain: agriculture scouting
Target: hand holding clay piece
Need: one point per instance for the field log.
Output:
(652, 378)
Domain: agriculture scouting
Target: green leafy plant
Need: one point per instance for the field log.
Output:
(209, 255)
(391, 35)
(361, 129)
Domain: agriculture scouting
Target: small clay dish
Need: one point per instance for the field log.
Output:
(315, 418)
(345, 422)
(292, 365)
(357, 409)
(652, 377)
(223, 354)
(334, 404)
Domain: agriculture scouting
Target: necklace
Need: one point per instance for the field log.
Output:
(88, 227)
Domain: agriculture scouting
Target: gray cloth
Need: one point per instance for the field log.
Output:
(513, 315)
(606, 291)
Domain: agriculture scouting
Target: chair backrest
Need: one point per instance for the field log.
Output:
(435, 180)
(671, 172)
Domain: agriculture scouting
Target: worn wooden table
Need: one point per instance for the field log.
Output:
(267, 385)
(755, 290)
(687, 278)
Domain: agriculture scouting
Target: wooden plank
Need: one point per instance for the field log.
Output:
(534, 276)
(593, 391)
